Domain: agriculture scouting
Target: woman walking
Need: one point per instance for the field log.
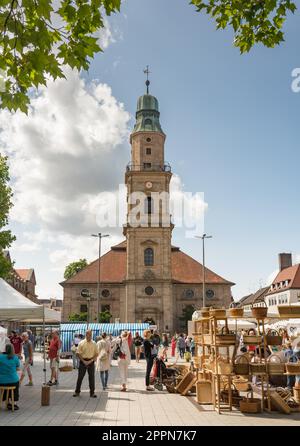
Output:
(103, 360)
(165, 344)
(123, 344)
(138, 342)
(150, 353)
(173, 346)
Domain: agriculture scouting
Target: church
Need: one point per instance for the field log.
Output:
(146, 278)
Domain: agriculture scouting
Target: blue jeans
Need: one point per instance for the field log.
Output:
(75, 360)
(104, 378)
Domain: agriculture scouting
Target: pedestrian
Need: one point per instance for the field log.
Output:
(103, 360)
(16, 341)
(74, 347)
(165, 344)
(31, 338)
(193, 347)
(123, 344)
(53, 356)
(150, 351)
(9, 365)
(138, 342)
(87, 353)
(181, 345)
(187, 344)
(288, 354)
(28, 359)
(173, 346)
(156, 338)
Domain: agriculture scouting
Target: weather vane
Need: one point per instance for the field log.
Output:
(147, 72)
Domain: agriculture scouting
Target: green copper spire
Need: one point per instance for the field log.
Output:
(147, 113)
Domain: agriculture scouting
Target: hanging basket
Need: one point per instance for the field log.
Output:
(241, 365)
(66, 366)
(293, 368)
(234, 311)
(205, 312)
(259, 312)
(275, 366)
(241, 384)
(257, 368)
(273, 338)
(225, 338)
(252, 339)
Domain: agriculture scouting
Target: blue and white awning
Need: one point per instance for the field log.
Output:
(68, 331)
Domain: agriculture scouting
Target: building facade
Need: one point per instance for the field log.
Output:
(146, 277)
(23, 280)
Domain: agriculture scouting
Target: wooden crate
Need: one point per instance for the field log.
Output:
(186, 383)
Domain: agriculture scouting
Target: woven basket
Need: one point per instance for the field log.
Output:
(235, 395)
(259, 312)
(293, 367)
(205, 312)
(241, 384)
(274, 365)
(257, 368)
(273, 338)
(217, 313)
(241, 365)
(66, 368)
(236, 312)
(224, 368)
(250, 405)
(252, 339)
(225, 338)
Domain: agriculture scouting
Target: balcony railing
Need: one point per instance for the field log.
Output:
(149, 168)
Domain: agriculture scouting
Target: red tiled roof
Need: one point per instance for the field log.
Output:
(187, 270)
(292, 274)
(113, 269)
(25, 274)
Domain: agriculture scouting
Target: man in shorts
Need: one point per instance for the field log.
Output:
(53, 356)
(28, 359)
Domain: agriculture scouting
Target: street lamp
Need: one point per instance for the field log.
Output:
(203, 237)
(100, 236)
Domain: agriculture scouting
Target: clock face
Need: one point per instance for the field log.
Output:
(148, 185)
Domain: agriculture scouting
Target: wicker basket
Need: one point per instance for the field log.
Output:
(259, 312)
(250, 405)
(275, 366)
(257, 368)
(241, 365)
(241, 384)
(252, 339)
(205, 312)
(225, 338)
(235, 395)
(234, 311)
(224, 368)
(273, 338)
(293, 368)
(218, 313)
(66, 368)
(289, 310)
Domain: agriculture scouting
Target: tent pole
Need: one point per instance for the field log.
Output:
(44, 351)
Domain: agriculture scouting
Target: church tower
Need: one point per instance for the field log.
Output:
(148, 281)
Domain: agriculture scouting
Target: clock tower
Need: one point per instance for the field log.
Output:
(148, 229)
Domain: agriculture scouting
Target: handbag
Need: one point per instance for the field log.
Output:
(117, 352)
(154, 350)
(103, 355)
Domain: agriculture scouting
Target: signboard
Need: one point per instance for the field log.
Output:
(85, 293)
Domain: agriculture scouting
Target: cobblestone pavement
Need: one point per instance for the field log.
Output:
(136, 407)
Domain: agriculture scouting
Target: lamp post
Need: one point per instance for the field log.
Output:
(100, 236)
(203, 237)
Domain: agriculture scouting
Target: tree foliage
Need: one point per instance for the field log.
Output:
(74, 268)
(187, 313)
(37, 39)
(252, 21)
(78, 317)
(6, 237)
(104, 316)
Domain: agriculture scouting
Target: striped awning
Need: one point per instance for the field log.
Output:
(68, 331)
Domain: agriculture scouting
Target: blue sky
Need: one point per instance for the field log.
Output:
(232, 125)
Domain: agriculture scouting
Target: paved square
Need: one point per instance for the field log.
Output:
(136, 407)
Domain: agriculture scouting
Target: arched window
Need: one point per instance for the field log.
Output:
(148, 205)
(148, 257)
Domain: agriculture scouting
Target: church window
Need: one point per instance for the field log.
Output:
(148, 122)
(148, 151)
(148, 257)
(148, 139)
(148, 205)
(105, 293)
(147, 165)
(149, 290)
(83, 308)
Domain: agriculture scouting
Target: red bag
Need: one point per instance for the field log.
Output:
(122, 355)
(153, 373)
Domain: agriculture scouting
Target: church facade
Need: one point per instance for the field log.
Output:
(145, 277)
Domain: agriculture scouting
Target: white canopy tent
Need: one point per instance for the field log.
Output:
(16, 307)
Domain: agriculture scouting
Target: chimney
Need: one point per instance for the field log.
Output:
(285, 260)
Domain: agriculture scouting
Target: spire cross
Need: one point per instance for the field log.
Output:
(147, 72)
